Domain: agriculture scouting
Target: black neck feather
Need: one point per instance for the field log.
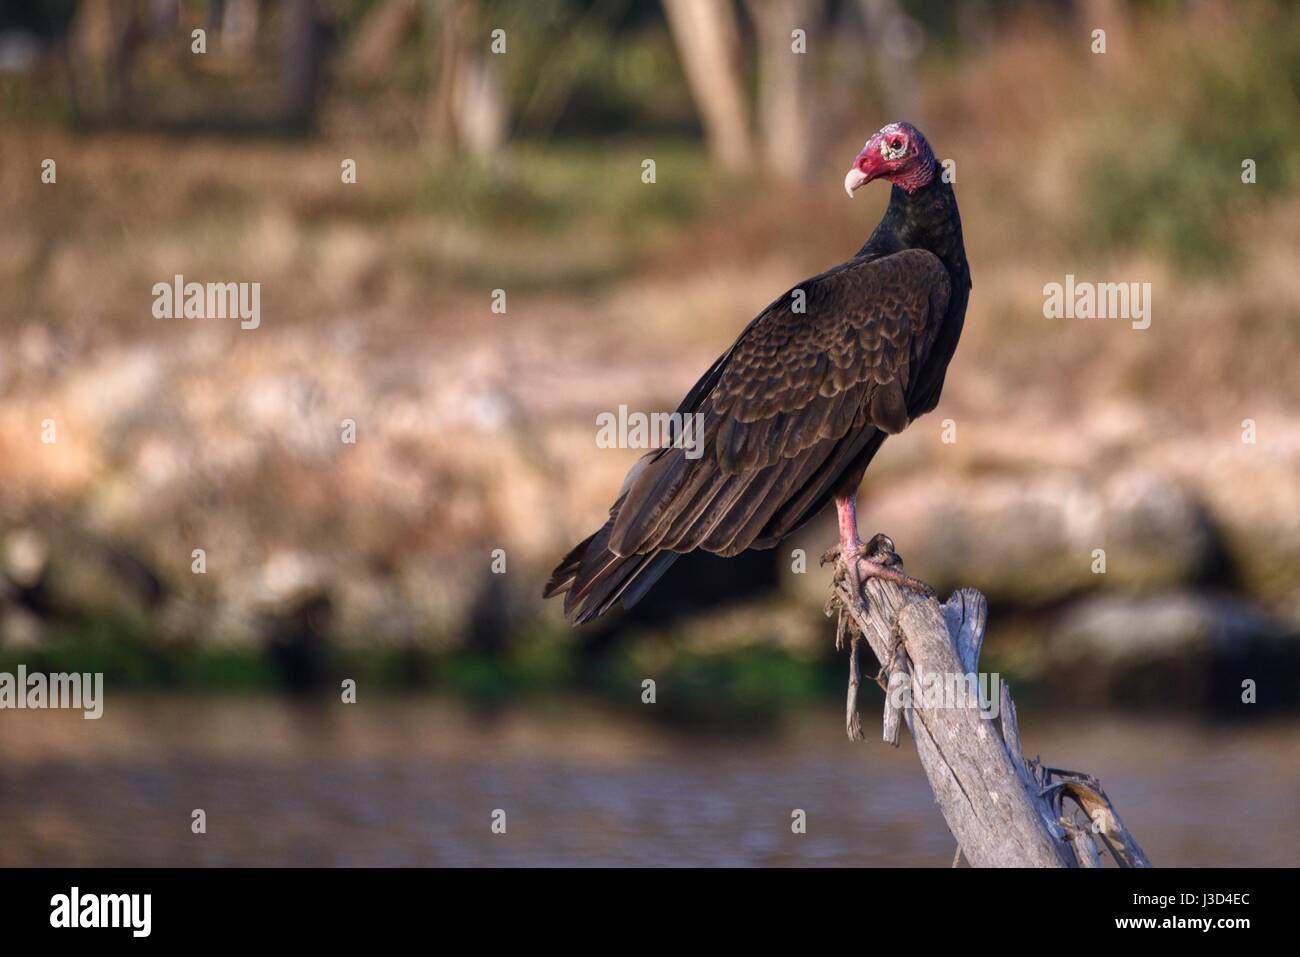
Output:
(924, 219)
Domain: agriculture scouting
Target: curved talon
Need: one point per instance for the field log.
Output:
(881, 564)
(831, 554)
(875, 569)
(881, 550)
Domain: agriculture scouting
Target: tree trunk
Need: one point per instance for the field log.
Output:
(706, 36)
(300, 62)
(896, 41)
(784, 82)
(379, 38)
(105, 34)
(239, 23)
(467, 110)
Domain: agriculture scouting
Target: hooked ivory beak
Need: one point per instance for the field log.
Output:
(854, 180)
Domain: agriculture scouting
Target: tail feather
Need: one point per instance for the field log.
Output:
(637, 585)
(561, 579)
(593, 579)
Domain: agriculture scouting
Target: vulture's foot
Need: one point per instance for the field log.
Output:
(866, 568)
(846, 558)
(877, 559)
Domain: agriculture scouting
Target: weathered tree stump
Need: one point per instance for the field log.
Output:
(1004, 810)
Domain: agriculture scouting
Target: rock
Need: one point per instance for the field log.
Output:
(26, 554)
(1170, 649)
(60, 571)
(1116, 631)
(19, 628)
(1253, 492)
(1033, 539)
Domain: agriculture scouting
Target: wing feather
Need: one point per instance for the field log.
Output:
(798, 399)
(791, 386)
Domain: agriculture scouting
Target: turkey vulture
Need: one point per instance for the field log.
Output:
(795, 410)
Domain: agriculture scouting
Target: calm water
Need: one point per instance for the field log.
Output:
(416, 782)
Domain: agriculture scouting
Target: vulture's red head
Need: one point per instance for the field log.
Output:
(899, 154)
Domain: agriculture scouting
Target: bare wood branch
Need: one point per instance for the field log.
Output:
(1087, 793)
(1085, 851)
(1004, 810)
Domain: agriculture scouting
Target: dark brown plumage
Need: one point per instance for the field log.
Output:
(795, 410)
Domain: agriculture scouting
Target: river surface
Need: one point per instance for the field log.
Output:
(418, 782)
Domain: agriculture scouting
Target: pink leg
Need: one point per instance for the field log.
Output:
(847, 509)
(851, 549)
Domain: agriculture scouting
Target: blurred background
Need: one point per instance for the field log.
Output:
(514, 161)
